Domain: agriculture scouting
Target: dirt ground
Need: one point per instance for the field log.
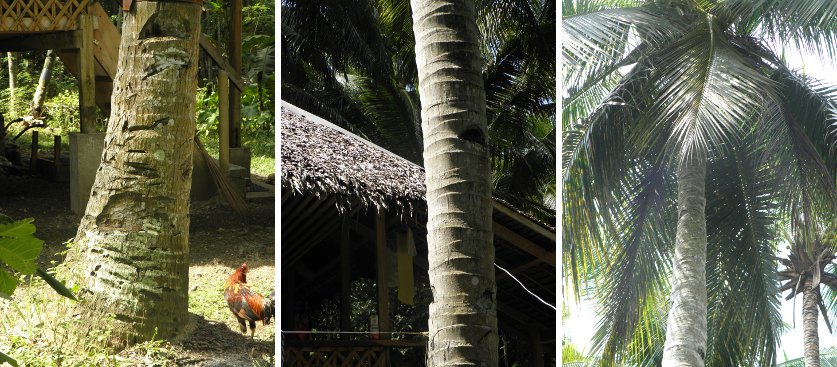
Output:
(219, 242)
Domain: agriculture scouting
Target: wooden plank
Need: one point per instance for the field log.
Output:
(345, 278)
(368, 343)
(222, 62)
(382, 257)
(234, 48)
(527, 246)
(70, 58)
(56, 155)
(33, 161)
(224, 122)
(87, 76)
(525, 221)
(537, 346)
(66, 40)
(106, 46)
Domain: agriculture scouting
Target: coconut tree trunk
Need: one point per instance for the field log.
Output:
(685, 344)
(463, 317)
(43, 81)
(10, 57)
(810, 300)
(131, 250)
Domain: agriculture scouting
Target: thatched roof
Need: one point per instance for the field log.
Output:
(320, 158)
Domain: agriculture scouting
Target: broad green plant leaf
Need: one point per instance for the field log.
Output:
(8, 283)
(19, 247)
(56, 284)
(7, 359)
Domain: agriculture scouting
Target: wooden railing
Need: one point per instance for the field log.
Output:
(27, 16)
(342, 353)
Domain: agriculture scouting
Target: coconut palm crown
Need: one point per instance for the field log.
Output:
(686, 140)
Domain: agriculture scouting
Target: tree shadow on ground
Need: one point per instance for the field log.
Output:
(212, 343)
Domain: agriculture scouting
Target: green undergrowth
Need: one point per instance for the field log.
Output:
(28, 335)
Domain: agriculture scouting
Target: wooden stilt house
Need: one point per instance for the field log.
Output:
(352, 210)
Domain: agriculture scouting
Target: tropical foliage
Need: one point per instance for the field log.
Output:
(652, 84)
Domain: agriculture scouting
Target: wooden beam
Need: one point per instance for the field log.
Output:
(382, 257)
(234, 48)
(527, 246)
(107, 39)
(33, 160)
(216, 56)
(518, 269)
(537, 346)
(66, 40)
(290, 342)
(223, 122)
(287, 304)
(523, 220)
(87, 76)
(518, 316)
(345, 279)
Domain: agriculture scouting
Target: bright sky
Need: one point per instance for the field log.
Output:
(581, 326)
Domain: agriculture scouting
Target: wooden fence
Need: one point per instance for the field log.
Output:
(31, 16)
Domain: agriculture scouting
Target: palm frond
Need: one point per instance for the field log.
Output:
(633, 276)
(706, 89)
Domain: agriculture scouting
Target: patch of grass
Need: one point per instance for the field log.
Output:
(206, 296)
(28, 337)
(262, 158)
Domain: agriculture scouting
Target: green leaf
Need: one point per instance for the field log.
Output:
(18, 247)
(7, 359)
(56, 284)
(8, 283)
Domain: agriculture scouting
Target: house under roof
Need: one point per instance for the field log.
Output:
(343, 196)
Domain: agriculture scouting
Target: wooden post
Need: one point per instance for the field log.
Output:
(87, 76)
(234, 48)
(383, 276)
(33, 161)
(537, 346)
(345, 279)
(287, 303)
(224, 123)
(56, 155)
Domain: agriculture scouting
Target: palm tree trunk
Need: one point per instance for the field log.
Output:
(811, 341)
(131, 250)
(685, 344)
(463, 316)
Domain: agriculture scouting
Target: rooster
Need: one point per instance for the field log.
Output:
(245, 303)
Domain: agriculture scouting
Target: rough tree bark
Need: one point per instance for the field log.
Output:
(463, 316)
(131, 251)
(810, 313)
(685, 344)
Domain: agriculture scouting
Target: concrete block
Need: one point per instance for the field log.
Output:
(85, 157)
(241, 157)
(86, 154)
